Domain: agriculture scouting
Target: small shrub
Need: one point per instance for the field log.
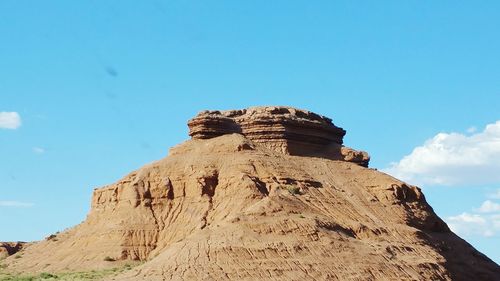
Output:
(45, 275)
(18, 256)
(295, 190)
(108, 258)
(51, 237)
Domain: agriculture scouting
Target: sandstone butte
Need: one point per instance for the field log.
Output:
(265, 193)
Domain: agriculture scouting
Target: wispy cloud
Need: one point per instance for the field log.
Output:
(38, 150)
(471, 130)
(10, 120)
(468, 224)
(453, 159)
(483, 221)
(495, 194)
(489, 206)
(18, 204)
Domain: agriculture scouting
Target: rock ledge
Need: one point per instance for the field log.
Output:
(284, 129)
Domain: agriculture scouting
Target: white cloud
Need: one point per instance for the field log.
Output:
(10, 120)
(15, 204)
(467, 224)
(453, 159)
(38, 150)
(483, 221)
(489, 206)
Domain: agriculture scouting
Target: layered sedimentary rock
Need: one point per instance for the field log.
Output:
(231, 208)
(284, 129)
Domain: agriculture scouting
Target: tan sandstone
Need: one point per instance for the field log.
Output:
(234, 203)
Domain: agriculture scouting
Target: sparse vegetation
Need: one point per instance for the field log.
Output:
(45, 275)
(294, 190)
(67, 276)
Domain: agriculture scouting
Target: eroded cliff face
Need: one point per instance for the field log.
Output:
(231, 207)
(283, 129)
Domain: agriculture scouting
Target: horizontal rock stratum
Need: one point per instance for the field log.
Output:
(284, 129)
(241, 200)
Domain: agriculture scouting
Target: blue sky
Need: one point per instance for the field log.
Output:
(90, 90)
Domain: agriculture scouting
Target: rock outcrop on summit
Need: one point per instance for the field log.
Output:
(260, 194)
(284, 129)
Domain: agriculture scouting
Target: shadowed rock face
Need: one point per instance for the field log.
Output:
(10, 248)
(284, 129)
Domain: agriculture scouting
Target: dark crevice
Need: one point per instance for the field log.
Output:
(170, 189)
(209, 184)
(261, 186)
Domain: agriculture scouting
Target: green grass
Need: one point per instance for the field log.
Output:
(67, 276)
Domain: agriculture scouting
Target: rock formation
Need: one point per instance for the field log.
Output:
(284, 129)
(10, 248)
(243, 202)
